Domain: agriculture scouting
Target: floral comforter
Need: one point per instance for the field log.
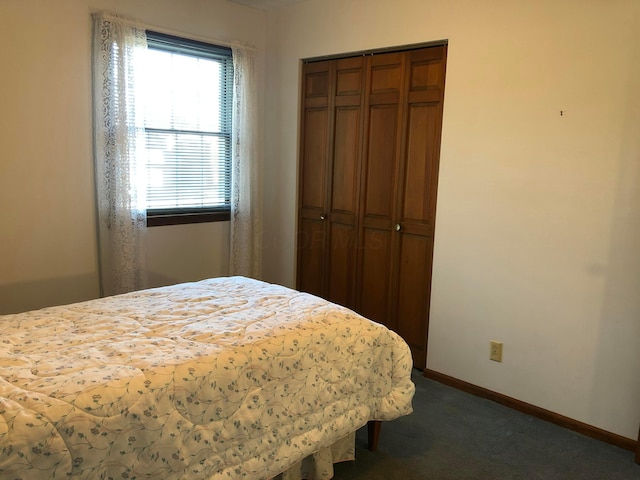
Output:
(224, 378)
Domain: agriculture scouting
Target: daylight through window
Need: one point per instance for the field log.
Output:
(187, 98)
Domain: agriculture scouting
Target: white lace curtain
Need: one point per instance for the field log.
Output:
(246, 208)
(118, 131)
(119, 171)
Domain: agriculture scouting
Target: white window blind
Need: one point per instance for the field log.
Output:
(188, 89)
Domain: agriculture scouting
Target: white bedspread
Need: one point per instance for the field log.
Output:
(224, 378)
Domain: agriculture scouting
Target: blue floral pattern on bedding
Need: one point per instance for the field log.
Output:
(227, 378)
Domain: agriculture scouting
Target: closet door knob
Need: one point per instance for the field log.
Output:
(398, 227)
(323, 216)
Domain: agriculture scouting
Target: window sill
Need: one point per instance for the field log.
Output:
(186, 218)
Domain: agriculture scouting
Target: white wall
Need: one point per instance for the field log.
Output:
(48, 251)
(538, 220)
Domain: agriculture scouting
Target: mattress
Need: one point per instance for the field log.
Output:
(218, 379)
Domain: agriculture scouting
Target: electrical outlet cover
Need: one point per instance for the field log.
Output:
(495, 353)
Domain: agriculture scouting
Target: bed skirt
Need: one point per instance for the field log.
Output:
(319, 466)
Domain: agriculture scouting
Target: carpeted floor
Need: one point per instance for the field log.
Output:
(456, 436)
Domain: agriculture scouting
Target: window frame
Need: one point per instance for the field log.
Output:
(185, 46)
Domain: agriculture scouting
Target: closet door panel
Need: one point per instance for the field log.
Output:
(314, 169)
(349, 78)
(381, 165)
(312, 228)
(313, 177)
(345, 180)
(414, 270)
(416, 197)
(341, 264)
(317, 80)
(311, 256)
(344, 205)
(418, 203)
(374, 278)
(344, 195)
(386, 77)
(422, 148)
(427, 69)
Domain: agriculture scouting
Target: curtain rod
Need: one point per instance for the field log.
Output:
(175, 33)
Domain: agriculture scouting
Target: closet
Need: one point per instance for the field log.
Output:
(369, 154)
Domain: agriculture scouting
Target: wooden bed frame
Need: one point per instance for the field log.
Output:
(373, 430)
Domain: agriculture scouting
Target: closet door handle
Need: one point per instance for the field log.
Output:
(398, 227)
(323, 217)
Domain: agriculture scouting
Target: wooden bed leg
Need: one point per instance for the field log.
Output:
(373, 428)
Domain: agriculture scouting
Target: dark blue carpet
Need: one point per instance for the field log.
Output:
(453, 435)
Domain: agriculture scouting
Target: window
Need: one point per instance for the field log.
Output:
(187, 103)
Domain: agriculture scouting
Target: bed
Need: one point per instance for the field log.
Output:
(224, 378)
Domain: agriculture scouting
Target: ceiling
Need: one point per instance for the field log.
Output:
(267, 4)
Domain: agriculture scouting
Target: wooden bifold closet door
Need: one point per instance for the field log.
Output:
(370, 142)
